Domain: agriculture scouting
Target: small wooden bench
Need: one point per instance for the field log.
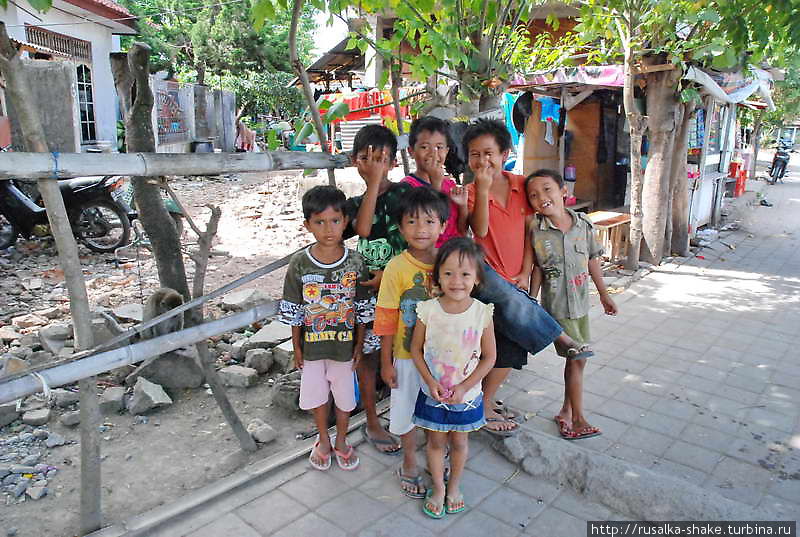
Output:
(613, 232)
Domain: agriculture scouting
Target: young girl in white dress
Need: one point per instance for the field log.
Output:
(453, 348)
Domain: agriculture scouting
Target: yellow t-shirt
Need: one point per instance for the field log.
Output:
(406, 281)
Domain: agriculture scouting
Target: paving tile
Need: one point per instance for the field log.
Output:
(556, 522)
(395, 525)
(786, 509)
(766, 418)
(701, 384)
(476, 487)
(580, 506)
(706, 437)
(539, 489)
(719, 422)
(646, 440)
(739, 481)
(324, 485)
(515, 508)
(680, 471)
(697, 457)
(353, 510)
(631, 455)
(309, 525)
(636, 398)
(726, 406)
(229, 524)
(412, 509)
(271, 511)
(660, 423)
(369, 466)
(492, 465)
(612, 429)
(474, 523)
(734, 380)
(620, 411)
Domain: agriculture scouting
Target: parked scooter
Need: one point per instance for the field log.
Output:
(780, 161)
(97, 220)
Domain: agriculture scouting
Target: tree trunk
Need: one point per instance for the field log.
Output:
(678, 240)
(661, 107)
(756, 144)
(396, 81)
(18, 92)
(636, 125)
(133, 85)
(303, 76)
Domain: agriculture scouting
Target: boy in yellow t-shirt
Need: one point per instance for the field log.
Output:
(406, 281)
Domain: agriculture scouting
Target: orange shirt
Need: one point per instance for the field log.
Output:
(505, 242)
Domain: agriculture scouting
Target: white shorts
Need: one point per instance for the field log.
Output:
(404, 398)
(320, 378)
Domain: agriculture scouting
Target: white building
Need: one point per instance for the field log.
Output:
(83, 32)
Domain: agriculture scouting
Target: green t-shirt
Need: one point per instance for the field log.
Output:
(384, 241)
(326, 301)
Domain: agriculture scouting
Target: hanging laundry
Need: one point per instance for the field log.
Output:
(550, 109)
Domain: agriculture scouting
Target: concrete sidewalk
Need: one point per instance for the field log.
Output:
(697, 378)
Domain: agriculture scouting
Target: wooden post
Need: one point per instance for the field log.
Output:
(303, 76)
(18, 92)
(396, 78)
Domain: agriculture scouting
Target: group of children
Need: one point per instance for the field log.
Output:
(442, 317)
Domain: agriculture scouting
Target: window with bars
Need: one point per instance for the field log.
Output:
(86, 105)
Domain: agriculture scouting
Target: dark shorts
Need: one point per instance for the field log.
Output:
(509, 353)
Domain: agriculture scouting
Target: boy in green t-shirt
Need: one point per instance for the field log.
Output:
(327, 308)
(373, 217)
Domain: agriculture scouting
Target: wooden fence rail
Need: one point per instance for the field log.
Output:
(33, 166)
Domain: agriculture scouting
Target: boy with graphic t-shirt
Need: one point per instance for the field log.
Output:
(326, 308)
(373, 217)
(406, 281)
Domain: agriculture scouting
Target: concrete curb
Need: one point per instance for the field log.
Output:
(629, 489)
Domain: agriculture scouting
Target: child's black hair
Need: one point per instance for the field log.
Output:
(377, 136)
(463, 247)
(424, 200)
(493, 127)
(320, 198)
(452, 163)
(544, 172)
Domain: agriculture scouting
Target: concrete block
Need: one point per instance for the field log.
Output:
(259, 359)
(65, 398)
(8, 413)
(238, 377)
(36, 417)
(112, 400)
(283, 355)
(244, 299)
(175, 370)
(147, 396)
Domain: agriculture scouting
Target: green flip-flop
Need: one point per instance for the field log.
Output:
(449, 501)
(430, 513)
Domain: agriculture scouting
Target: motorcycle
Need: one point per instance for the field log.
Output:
(97, 220)
(780, 161)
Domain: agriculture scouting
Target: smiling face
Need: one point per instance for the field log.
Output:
(545, 196)
(421, 230)
(327, 226)
(458, 276)
(485, 151)
(429, 151)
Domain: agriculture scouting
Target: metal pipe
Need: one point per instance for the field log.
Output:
(31, 166)
(14, 387)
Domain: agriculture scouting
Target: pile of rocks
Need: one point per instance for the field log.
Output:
(24, 471)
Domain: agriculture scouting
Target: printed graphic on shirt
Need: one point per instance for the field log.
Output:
(328, 305)
(408, 307)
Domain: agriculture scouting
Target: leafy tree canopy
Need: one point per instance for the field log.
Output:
(259, 92)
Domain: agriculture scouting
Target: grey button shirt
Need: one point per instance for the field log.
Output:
(564, 260)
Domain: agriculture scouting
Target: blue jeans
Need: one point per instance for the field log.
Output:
(516, 314)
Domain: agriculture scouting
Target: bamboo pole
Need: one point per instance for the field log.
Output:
(22, 384)
(18, 92)
(32, 166)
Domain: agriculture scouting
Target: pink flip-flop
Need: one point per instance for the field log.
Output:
(326, 459)
(347, 460)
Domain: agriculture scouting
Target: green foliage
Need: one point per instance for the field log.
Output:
(786, 96)
(189, 35)
(262, 92)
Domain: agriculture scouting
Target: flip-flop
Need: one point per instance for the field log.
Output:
(503, 434)
(506, 411)
(416, 481)
(450, 501)
(563, 428)
(326, 460)
(376, 442)
(584, 351)
(584, 432)
(427, 511)
(345, 460)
